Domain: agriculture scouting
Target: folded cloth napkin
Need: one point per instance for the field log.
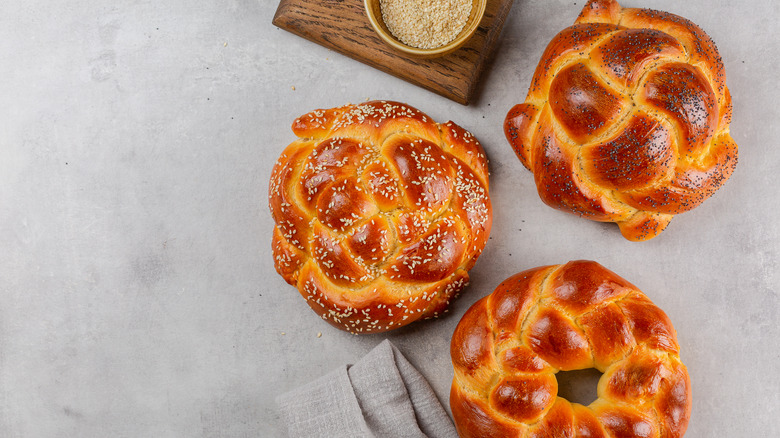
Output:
(382, 395)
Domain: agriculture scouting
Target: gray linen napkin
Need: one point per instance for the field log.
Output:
(382, 395)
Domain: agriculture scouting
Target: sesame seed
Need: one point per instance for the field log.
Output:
(425, 24)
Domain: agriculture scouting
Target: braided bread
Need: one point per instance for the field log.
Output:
(627, 119)
(380, 212)
(509, 345)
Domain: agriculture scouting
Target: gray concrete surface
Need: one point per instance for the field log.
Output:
(137, 292)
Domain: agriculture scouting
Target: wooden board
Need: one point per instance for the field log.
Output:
(342, 25)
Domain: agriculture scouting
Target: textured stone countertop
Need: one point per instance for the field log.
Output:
(138, 294)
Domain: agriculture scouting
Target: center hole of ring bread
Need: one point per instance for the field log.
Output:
(579, 386)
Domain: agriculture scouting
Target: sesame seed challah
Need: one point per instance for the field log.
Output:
(380, 212)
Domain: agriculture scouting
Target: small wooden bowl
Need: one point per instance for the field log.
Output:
(374, 12)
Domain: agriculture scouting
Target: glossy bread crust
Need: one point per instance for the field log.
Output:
(380, 212)
(509, 345)
(626, 119)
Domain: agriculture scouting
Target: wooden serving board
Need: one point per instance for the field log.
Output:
(342, 25)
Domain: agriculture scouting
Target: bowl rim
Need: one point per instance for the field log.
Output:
(464, 35)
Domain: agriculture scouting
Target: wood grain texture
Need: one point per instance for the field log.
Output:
(342, 25)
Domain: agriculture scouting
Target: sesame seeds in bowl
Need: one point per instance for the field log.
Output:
(425, 28)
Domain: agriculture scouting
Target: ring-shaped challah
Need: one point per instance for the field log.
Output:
(379, 213)
(509, 345)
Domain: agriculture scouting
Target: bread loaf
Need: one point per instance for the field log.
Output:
(509, 345)
(380, 212)
(626, 119)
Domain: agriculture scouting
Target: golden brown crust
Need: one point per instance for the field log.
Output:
(626, 119)
(380, 212)
(509, 345)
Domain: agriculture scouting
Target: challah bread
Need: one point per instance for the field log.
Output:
(509, 345)
(380, 212)
(626, 119)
